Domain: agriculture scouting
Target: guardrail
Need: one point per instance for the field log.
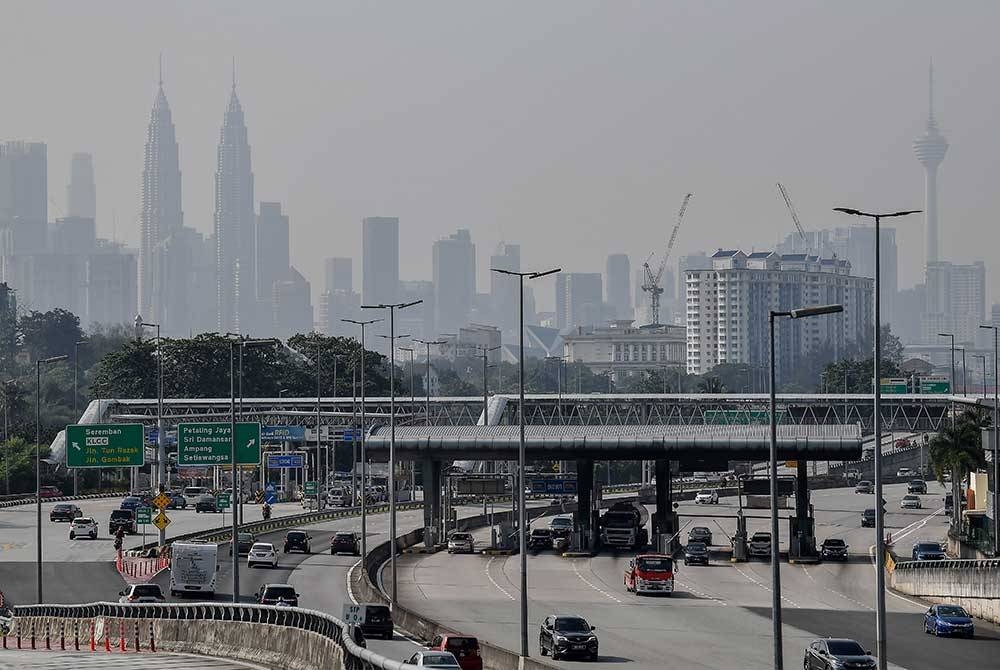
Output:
(274, 637)
(22, 499)
(973, 583)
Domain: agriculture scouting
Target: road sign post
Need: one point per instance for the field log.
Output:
(112, 445)
(209, 444)
(143, 516)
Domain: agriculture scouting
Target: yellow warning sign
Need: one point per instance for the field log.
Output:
(161, 501)
(161, 521)
(890, 564)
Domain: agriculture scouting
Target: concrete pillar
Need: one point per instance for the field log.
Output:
(802, 533)
(801, 490)
(432, 501)
(585, 524)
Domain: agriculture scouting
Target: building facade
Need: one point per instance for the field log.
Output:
(956, 301)
(579, 299)
(728, 307)
(618, 286)
(622, 349)
(380, 260)
(338, 274)
(81, 193)
(454, 267)
(503, 288)
(273, 256)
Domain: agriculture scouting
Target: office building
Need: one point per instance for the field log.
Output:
(237, 288)
(338, 274)
(293, 312)
(380, 260)
(470, 341)
(454, 263)
(907, 319)
(503, 288)
(930, 149)
(418, 320)
(728, 306)
(81, 193)
(579, 299)
(618, 284)
(272, 251)
(956, 301)
(8, 329)
(622, 349)
(111, 279)
(335, 306)
(24, 195)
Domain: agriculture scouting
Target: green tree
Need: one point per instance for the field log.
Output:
(129, 372)
(711, 385)
(52, 333)
(958, 449)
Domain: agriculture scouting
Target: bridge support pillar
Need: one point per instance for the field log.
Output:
(586, 524)
(801, 530)
(665, 519)
(432, 501)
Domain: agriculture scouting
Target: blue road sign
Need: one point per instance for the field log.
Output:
(169, 438)
(553, 486)
(282, 433)
(286, 461)
(351, 435)
(270, 496)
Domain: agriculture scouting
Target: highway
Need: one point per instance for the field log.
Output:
(69, 660)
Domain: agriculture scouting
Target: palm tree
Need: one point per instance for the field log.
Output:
(958, 449)
(711, 385)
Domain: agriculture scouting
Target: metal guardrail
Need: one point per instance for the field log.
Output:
(954, 563)
(21, 499)
(980, 539)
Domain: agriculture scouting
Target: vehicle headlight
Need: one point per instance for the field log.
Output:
(560, 638)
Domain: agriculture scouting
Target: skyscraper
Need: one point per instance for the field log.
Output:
(236, 284)
(956, 301)
(380, 259)
(618, 286)
(454, 263)
(23, 183)
(339, 274)
(579, 299)
(931, 148)
(273, 259)
(161, 215)
(503, 292)
(81, 193)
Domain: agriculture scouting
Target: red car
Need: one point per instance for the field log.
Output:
(50, 492)
(464, 648)
(902, 442)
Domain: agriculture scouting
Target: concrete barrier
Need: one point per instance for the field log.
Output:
(973, 584)
(26, 499)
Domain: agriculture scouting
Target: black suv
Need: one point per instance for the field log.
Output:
(868, 518)
(833, 549)
(124, 519)
(206, 503)
(696, 552)
(540, 538)
(700, 534)
(345, 542)
(917, 486)
(297, 540)
(65, 512)
(567, 636)
(270, 594)
(831, 654)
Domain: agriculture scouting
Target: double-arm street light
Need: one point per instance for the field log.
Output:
(996, 437)
(801, 313)
(521, 514)
(161, 453)
(392, 307)
(880, 634)
(427, 377)
(38, 462)
(364, 460)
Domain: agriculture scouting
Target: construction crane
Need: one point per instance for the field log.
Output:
(651, 283)
(791, 210)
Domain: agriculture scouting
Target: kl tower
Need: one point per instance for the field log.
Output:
(930, 149)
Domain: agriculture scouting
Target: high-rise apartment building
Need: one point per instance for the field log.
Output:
(579, 299)
(956, 301)
(338, 274)
(503, 291)
(81, 193)
(273, 258)
(24, 195)
(380, 260)
(728, 305)
(618, 285)
(454, 263)
(236, 290)
(110, 285)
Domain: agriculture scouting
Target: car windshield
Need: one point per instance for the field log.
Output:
(440, 660)
(572, 625)
(845, 648)
(700, 530)
(916, 482)
(833, 542)
(951, 610)
(121, 514)
(279, 592)
(296, 535)
(62, 508)
(761, 537)
(910, 498)
(864, 482)
(462, 537)
(704, 492)
(540, 531)
(147, 590)
(870, 511)
(928, 546)
(562, 521)
(344, 536)
(261, 547)
(655, 564)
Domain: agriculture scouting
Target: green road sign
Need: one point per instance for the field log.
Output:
(112, 445)
(934, 385)
(222, 501)
(311, 488)
(894, 386)
(143, 515)
(209, 444)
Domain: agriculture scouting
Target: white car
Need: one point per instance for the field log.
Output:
(707, 497)
(262, 553)
(141, 593)
(443, 660)
(910, 501)
(83, 525)
(905, 472)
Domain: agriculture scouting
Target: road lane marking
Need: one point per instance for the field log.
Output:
(493, 581)
(764, 586)
(586, 581)
(836, 593)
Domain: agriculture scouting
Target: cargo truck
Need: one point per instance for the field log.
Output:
(624, 526)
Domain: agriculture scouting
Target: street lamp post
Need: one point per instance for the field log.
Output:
(427, 377)
(982, 357)
(161, 452)
(38, 462)
(880, 633)
(364, 460)
(952, 383)
(6, 434)
(996, 439)
(413, 412)
(392, 434)
(76, 398)
(775, 553)
(521, 513)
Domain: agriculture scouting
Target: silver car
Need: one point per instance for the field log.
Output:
(910, 501)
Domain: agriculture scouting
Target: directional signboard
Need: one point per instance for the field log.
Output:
(935, 385)
(209, 444)
(311, 488)
(553, 486)
(143, 515)
(893, 386)
(283, 433)
(480, 486)
(112, 445)
(286, 460)
(222, 501)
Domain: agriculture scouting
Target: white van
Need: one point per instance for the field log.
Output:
(193, 493)
(194, 567)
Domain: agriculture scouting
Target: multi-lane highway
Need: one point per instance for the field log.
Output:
(68, 660)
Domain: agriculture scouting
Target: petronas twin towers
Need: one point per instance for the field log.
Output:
(170, 283)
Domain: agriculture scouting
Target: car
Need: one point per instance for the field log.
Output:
(141, 593)
(443, 660)
(918, 486)
(461, 543)
(561, 527)
(837, 653)
(707, 497)
(700, 534)
(901, 443)
(540, 538)
(131, 502)
(833, 549)
(905, 472)
(949, 503)
(376, 621)
(696, 552)
(272, 594)
(852, 474)
(65, 512)
(345, 542)
(124, 519)
(244, 542)
(83, 525)
(50, 492)
(949, 620)
(206, 503)
(297, 540)
(192, 494)
(564, 636)
(910, 501)
(868, 518)
(760, 545)
(177, 500)
(262, 553)
(927, 551)
(864, 486)
(464, 647)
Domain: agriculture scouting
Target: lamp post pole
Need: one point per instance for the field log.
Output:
(982, 357)
(76, 400)
(364, 460)
(427, 377)
(880, 632)
(38, 463)
(521, 514)
(952, 383)
(996, 438)
(161, 451)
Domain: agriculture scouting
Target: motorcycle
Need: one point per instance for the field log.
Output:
(267, 512)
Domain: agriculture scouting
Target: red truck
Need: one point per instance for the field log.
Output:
(650, 573)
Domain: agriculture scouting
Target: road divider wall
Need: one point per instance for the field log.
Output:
(973, 584)
(23, 499)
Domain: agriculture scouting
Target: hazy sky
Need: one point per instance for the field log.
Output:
(572, 127)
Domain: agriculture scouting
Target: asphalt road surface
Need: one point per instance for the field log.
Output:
(66, 660)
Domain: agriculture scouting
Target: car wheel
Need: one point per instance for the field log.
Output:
(93, 536)
(541, 648)
(72, 535)
(333, 553)
(593, 657)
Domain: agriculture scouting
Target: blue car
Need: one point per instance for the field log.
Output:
(948, 620)
(928, 551)
(131, 502)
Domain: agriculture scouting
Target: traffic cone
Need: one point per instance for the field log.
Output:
(121, 635)
(93, 642)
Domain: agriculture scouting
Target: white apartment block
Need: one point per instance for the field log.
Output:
(956, 302)
(623, 349)
(728, 307)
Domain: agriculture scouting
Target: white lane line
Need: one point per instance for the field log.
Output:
(493, 581)
(586, 581)
(764, 586)
(687, 586)
(836, 593)
(916, 525)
